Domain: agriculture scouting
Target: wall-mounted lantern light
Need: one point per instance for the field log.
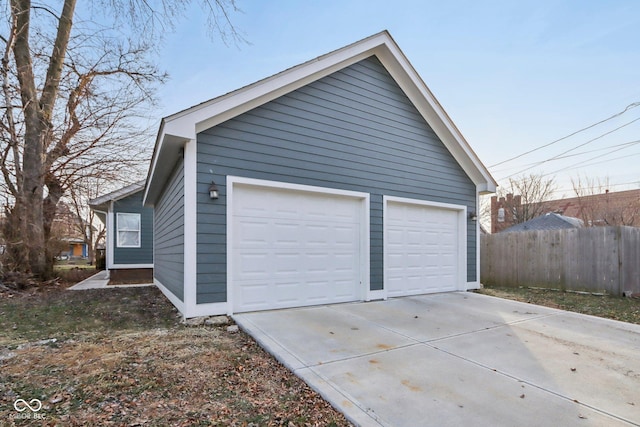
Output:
(213, 191)
(473, 216)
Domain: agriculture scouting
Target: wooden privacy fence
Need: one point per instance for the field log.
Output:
(596, 259)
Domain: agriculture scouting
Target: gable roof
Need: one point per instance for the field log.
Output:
(182, 127)
(101, 203)
(550, 221)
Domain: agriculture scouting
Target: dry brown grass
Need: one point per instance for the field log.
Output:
(611, 307)
(142, 370)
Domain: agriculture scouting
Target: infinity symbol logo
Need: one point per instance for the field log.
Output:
(21, 405)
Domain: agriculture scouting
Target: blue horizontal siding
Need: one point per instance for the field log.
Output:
(169, 234)
(353, 130)
(143, 254)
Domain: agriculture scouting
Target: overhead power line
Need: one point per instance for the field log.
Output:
(575, 148)
(582, 164)
(560, 157)
(629, 107)
(608, 186)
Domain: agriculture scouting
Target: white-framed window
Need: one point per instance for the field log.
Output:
(128, 230)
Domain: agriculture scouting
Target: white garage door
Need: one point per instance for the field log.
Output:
(293, 248)
(422, 248)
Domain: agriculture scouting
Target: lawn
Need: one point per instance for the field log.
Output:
(611, 307)
(73, 264)
(121, 357)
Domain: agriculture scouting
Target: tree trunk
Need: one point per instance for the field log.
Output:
(37, 115)
(33, 193)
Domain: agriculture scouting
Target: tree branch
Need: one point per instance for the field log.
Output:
(56, 62)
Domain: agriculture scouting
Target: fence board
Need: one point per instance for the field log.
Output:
(597, 259)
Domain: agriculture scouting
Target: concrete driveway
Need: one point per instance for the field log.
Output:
(459, 359)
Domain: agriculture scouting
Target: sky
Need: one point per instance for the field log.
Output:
(514, 76)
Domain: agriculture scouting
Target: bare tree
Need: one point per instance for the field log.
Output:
(597, 206)
(88, 225)
(521, 201)
(73, 93)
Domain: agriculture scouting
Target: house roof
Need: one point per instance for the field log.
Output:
(101, 203)
(178, 129)
(594, 205)
(550, 221)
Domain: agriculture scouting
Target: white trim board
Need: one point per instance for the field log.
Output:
(190, 266)
(110, 238)
(129, 266)
(177, 302)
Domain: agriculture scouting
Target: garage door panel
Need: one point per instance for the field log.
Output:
(305, 246)
(317, 234)
(421, 248)
(253, 232)
(255, 296)
(250, 266)
(344, 234)
(394, 236)
(285, 234)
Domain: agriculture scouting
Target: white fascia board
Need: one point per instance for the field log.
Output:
(222, 108)
(421, 96)
(157, 148)
(487, 188)
(118, 194)
(185, 125)
(164, 157)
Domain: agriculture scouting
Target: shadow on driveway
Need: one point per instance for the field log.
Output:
(459, 359)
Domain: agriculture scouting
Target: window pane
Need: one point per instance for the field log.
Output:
(129, 238)
(128, 230)
(129, 222)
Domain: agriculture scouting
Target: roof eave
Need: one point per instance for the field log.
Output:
(101, 203)
(182, 127)
(421, 96)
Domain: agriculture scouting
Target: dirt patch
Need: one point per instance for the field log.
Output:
(121, 357)
(131, 276)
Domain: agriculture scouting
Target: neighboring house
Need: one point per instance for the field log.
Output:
(341, 179)
(608, 208)
(503, 212)
(77, 248)
(67, 227)
(129, 241)
(549, 221)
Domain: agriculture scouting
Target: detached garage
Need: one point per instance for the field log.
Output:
(341, 179)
